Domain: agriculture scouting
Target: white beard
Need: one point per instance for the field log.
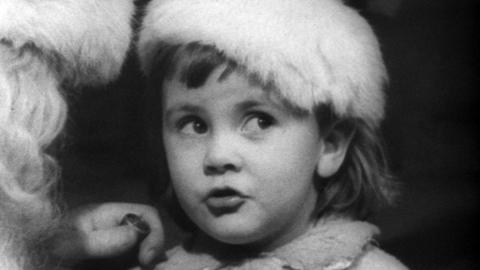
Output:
(8, 258)
(22, 238)
(12, 251)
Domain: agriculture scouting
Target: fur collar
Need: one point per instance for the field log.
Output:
(332, 244)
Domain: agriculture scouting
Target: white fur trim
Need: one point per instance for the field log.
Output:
(316, 51)
(88, 38)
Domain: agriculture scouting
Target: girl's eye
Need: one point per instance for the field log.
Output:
(192, 126)
(258, 122)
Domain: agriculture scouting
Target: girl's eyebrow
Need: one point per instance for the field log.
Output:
(253, 103)
(188, 108)
(247, 104)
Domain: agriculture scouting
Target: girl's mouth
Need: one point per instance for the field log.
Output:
(224, 201)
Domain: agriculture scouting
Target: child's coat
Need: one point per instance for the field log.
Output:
(333, 244)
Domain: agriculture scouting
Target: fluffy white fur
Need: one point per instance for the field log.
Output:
(333, 244)
(89, 37)
(316, 51)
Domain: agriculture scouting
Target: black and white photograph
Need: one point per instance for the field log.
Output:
(238, 134)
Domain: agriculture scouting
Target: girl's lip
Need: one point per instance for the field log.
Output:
(224, 200)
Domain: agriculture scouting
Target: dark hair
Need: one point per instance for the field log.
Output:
(363, 182)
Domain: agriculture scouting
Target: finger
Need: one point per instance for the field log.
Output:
(152, 247)
(94, 217)
(108, 214)
(115, 211)
(137, 223)
(110, 242)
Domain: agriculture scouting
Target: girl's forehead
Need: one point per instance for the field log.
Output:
(196, 74)
(222, 84)
(230, 79)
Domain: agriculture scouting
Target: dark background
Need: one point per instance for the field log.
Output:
(431, 50)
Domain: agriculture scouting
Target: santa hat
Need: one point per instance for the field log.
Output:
(315, 51)
(85, 41)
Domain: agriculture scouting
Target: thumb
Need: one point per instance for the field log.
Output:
(110, 242)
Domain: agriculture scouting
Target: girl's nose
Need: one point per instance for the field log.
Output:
(221, 156)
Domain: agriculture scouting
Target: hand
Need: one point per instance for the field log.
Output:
(107, 230)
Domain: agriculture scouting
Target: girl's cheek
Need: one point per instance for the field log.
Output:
(188, 157)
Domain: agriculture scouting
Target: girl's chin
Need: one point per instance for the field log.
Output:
(244, 243)
(235, 235)
(254, 235)
(251, 238)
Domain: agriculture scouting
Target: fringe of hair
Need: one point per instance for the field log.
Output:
(364, 183)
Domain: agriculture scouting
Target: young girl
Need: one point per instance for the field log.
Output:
(267, 111)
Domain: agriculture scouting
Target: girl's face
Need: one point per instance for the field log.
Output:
(241, 164)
